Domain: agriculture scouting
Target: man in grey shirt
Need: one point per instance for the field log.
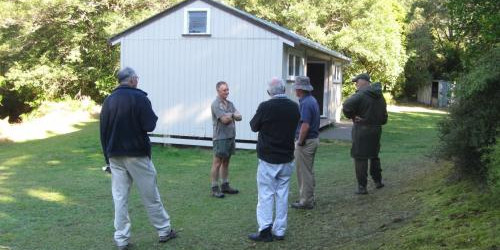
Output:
(224, 115)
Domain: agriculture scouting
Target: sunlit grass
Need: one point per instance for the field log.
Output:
(56, 118)
(46, 195)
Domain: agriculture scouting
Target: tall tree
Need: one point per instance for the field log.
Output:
(375, 40)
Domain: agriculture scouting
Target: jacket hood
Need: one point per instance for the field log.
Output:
(374, 90)
(123, 86)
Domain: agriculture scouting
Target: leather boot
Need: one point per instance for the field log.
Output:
(361, 190)
(264, 235)
(216, 192)
(225, 188)
(379, 184)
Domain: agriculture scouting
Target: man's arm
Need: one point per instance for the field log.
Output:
(304, 128)
(103, 121)
(219, 113)
(147, 117)
(237, 115)
(226, 119)
(349, 107)
(255, 123)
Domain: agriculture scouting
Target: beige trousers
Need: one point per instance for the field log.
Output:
(125, 170)
(304, 160)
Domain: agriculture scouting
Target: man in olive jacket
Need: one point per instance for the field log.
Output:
(368, 111)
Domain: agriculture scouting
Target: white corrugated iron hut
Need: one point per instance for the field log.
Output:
(182, 52)
(437, 93)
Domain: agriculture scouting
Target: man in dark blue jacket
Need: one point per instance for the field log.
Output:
(276, 121)
(126, 117)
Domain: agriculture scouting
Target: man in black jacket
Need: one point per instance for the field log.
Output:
(368, 111)
(126, 117)
(276, 121)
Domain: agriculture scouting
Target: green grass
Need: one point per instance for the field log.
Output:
(53, 195)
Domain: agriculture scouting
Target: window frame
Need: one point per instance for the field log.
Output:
(186, 21)
(294, 66)
(337, 73)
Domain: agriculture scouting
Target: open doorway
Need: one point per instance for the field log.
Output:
(434, 93)
(316, 73)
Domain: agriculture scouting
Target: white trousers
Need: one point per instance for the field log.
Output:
(273, 184)
(125, 170)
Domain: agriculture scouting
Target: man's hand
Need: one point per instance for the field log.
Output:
(226, 119)
(358, 119)
(237, 116)
(300, 144)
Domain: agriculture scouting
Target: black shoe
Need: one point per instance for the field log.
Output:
(264, 235)
(361, 190)
(379, 185)
(298, 205)
(276, 237)
(227, 189)
(125, 247)
(168, 237)
(216, 192)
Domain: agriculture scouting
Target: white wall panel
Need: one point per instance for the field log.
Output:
(180, 72)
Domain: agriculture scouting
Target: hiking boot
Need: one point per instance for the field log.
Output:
(227, 189)
(278, 237)
(125, 247)
(379, 185)
(264, 235)
(168, 237)
(298, 205)
(216, 192)
(361, 190)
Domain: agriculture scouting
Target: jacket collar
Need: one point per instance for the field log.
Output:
(124, 86)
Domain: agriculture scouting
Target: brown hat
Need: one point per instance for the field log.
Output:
(363, 76)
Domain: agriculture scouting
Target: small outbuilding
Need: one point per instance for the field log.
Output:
(182, 52)
(437, 93)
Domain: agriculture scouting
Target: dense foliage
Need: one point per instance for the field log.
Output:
(469, 135)
(50, 49)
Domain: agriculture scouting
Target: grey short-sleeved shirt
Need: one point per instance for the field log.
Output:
(222, 131)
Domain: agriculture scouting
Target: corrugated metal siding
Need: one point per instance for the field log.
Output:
(180, 72)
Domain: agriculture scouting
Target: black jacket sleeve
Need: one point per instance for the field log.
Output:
(147, 116)
(350, 106)
(256, 121)
(103, 122)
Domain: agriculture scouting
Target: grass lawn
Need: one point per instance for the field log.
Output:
(53, 195)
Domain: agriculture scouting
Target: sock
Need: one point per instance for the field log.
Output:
(215, 183)
(224, 181)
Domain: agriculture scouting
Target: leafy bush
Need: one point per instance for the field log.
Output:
(472, 127)
(493, 159)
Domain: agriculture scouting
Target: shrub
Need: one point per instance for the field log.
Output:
(468, 133)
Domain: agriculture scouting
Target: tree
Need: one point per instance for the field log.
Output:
(470, 133)
(374, 40)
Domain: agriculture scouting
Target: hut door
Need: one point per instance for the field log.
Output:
(316, 73)
(434, 94)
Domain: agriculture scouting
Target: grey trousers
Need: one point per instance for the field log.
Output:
(125, 170)
(304, 160)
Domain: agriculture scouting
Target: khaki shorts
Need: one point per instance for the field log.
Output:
(224, 148)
